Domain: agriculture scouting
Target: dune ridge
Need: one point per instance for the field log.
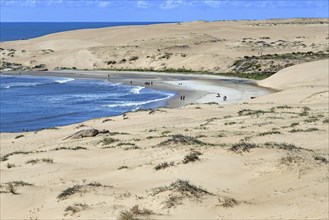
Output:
(250, 48)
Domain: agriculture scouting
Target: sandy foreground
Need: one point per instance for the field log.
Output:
(265, 158)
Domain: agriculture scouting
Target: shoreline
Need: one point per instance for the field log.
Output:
(197, 88)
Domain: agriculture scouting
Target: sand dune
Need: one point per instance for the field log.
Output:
(266, 158)
(306, 74)
(199, 46)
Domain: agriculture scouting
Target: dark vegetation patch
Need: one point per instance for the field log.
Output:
(321, 159)
(192, 157)
(164, 165)
(79, 189)
(303, 130)
(19, 136)
(227, 202)
(43, 160)
(6, 156)
(269, 133)
(183, 187)
(243, 147)
(181, 139)
(75, 208)
(69, 148)
(11, 187)
(134, 213)
(246, 112)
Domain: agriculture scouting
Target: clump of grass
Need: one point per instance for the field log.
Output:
(134, 212)
(227, 202)
(269, 133)
(6, 156)
(10, 165)
(282, 146)
(284, 107)
(181, 139)
(12, 189)
(108, 141)
(125, 144)
(20, 183)
(290, 159)
(44, 160)
(19, 136)
(311, 119)
(326, 121)
(321, 159)
(166, 132)
(220, 135)
(172, 201)
(122, 167)
(69, 192)
(294, 124)
(79, 189)
(76, 207)
(230, 123)
(243, 147)
(184, 188)
(69, 148)
(192, 157)
(164, 165)
(304, 130)
(245, 112)
(305, 111)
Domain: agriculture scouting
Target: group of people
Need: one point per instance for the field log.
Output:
(182, 97)
(224, 97)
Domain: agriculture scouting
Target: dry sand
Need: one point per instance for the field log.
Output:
(265, 158)
(199, 46)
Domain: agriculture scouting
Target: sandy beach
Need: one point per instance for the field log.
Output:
(265, 158)
(197, 88)
(201, 158)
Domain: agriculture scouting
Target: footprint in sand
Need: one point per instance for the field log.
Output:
(317, 97)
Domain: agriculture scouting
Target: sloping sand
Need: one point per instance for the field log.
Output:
(262, 159)
(198, 46)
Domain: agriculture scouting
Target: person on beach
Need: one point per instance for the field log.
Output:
(183, 97)
(218, 95)
(224, 98)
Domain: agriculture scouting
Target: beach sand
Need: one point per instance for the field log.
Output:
(265, 158)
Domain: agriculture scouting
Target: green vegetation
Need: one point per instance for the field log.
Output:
(164, 165)
(181, 139)
(304, 130)
(108, 141)
(44, 160)
(192, 157)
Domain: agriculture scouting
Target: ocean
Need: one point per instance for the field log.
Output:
(10, 31)
(33, 103)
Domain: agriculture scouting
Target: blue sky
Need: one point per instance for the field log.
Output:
(158, 10)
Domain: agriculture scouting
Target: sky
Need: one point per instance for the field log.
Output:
(157, 10)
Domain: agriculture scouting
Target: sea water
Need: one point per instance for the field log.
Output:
(33, 103)
(10, 31)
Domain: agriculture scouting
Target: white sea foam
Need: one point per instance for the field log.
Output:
(136, 90)
(64, 80)
(10, 85)
(131, 103)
